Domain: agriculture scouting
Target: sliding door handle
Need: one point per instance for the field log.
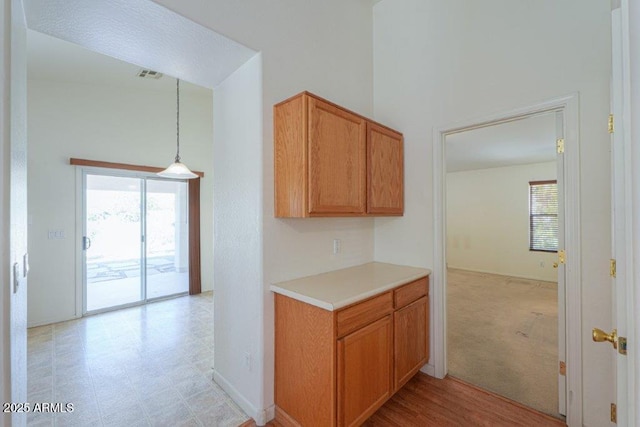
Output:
(86, 243)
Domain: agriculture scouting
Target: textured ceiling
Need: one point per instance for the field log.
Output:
(143, 33)
(150, 36)
(52, 59)
(528, 140)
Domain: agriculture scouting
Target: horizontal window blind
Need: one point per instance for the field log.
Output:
(543, 216)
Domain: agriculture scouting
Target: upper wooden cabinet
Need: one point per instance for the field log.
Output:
(329, 161)
(385, 168)
(337, 144)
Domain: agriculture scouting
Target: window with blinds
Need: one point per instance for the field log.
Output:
(543, 216)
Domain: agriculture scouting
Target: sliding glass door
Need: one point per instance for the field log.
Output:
(167, 238)
(135, 240)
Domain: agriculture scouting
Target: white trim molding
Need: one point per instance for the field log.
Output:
(631, 14)
(429, 369)
(625, 103)
(261, 417)
(569, 105)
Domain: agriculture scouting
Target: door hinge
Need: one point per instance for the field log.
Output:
(562, 257)
(563, 368)
(614, 413)
(612, 267)
(610, 123)
(560, 145)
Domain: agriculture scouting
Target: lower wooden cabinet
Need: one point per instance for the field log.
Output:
(365, 370)
(411, 340)
(336, 368)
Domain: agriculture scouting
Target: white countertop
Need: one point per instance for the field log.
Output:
(337, 289)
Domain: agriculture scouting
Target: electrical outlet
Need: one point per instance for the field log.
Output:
(337, 246)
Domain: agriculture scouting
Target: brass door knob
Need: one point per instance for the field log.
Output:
(599, 335)
(555, 265)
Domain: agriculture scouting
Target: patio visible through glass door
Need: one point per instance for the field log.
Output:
(135, 240)
(167, 238)
(112, 241)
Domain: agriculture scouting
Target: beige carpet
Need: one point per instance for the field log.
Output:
(502, 336)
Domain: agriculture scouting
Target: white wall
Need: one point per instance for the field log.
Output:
(324, 47)
(488, 221)
(122, 125)
(442, 62)
(238, 243)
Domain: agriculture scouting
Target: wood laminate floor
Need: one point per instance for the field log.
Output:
(426, 401)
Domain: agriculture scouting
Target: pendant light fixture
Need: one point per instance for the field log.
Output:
(177, 169)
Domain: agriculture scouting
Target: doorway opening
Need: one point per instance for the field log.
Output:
(214, 61)
(136, 240)
(116, 116)
(566, 111)
(505, 288)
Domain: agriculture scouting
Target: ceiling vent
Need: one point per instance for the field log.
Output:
(149, 74)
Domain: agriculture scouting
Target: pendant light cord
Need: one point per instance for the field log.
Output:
(178, 120)
(177, 170)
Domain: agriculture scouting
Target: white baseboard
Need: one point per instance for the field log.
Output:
(497, 273)
(261, 417)
(429, 370)
(268, 414)
(49, 322)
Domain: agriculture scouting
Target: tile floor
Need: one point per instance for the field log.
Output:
(141, 366)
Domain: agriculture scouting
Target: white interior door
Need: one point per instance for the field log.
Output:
(562, 324)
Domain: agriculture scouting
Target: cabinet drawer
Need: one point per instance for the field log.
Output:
(411, 292)
(361, 314)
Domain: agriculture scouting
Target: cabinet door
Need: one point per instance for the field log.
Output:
(411, 340)
(337, 160)
(385, 170)
(364, 372)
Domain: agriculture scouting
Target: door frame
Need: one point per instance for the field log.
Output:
(625, 160)
(13, 210)
(569, 105)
